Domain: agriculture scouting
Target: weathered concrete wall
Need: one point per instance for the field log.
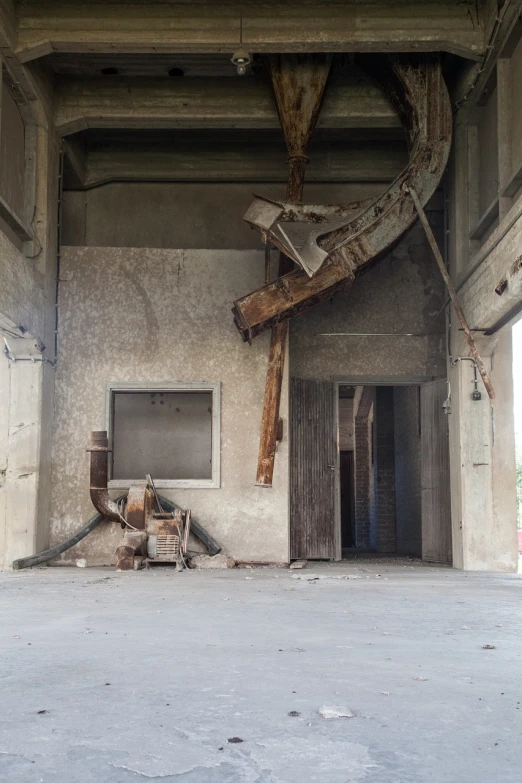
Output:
(27, 300)
(482, 449)
(401, 294)
(12, 153)
(182, 215)
(164, 315)
(407, 470)
(487, 157)
(499, 257)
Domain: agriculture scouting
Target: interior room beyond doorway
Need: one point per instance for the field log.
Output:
(393, 482)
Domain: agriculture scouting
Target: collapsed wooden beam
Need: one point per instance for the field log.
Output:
(420, 96)
(299, 82)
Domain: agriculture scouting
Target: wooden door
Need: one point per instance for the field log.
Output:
(313, 455)
(435, 481)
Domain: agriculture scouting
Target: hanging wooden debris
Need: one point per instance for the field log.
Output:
(330, 257)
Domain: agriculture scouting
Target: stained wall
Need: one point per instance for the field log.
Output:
(162, 315)
(403, 294)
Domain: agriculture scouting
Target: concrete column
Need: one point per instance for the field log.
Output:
(482, 463)
(384, 470)
(21, 384)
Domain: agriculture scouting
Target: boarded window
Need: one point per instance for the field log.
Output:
(168, 434)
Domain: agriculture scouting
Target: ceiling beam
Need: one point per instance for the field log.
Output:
(235, 102)
(46, 26)
(356, 161)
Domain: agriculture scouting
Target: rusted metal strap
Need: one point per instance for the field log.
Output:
(453, 293)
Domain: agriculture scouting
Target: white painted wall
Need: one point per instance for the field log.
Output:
(156, 315)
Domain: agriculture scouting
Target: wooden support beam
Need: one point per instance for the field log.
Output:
(299, 82)
(117, 102)
(46, 26)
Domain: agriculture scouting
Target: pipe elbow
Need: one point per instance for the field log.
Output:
(104, 505)
(99, 477)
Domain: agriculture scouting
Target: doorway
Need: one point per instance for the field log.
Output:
(369, 469)
(394, 470)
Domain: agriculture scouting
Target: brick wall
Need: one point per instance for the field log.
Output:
(362, 481)
(383, 535)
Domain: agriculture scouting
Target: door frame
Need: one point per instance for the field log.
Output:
(360, 380)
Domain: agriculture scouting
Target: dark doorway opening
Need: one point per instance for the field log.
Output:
(393, 477)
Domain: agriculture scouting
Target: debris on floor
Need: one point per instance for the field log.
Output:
(315, 577)
(212, 561)
(298, 564)
(330, 713)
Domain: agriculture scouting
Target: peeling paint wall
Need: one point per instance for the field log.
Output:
(164, 315)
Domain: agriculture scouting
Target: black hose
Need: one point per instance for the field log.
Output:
(54, 551)
(48, 554)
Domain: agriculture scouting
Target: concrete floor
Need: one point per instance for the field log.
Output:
(127, 677)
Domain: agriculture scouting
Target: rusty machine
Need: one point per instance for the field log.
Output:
(153, 533)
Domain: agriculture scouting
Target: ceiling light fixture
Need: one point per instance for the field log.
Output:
(241, 59)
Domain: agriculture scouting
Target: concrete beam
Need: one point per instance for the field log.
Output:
(116, 102)
(46, 26)
(75, 162)
(232, 162)
(490, 289)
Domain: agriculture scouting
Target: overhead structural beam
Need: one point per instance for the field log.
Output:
(117, 102)
(101, 26)
(216, 161)
(299, 82)
(502, 29)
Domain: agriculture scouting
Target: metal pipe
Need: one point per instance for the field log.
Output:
(452, 292)
(99, 476)
(50, 554)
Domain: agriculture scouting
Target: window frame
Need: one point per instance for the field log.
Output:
(170, 386)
